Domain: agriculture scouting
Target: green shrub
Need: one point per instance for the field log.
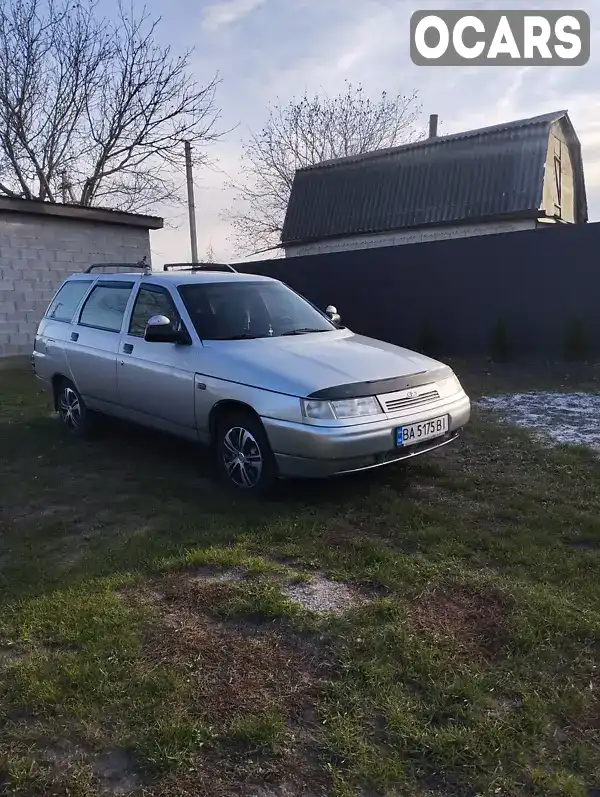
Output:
(427, 342)
(576, 344)
(500, 348)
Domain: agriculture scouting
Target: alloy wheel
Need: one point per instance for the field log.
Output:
(242, 457)
(69, 409)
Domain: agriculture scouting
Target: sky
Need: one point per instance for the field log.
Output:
(269, 50)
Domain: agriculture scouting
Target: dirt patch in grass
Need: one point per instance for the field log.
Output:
(253, 688)
(62, 754)
(354, 535)
(323, 596)
(235, 669)
(312, 591)
(502, 706)
(282, 790)
(208, 575)
(473, 618)
(8, 654)
(205, 784)
(112, 771)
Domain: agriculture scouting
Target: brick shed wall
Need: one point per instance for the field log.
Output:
(37, 253)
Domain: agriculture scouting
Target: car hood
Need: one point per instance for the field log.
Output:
(305, 364)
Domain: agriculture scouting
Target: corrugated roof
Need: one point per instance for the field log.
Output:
(493, 171)
(40, 207)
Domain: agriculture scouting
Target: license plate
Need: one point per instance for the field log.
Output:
(417, 432)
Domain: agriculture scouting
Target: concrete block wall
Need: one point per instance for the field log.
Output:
(37, 253)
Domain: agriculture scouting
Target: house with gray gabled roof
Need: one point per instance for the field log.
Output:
(509, 177)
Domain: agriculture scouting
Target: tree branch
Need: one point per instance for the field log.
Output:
(98, 100)
(303, 132)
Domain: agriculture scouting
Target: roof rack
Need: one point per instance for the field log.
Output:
(141, 264)
(199, 267)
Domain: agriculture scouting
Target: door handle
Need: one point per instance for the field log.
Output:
(128, 348)
(74, 335)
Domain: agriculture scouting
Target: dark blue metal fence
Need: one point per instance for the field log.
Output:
(540, 287)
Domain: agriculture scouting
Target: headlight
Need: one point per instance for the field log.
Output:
(343, 408)
(456, 385)
(317, 410)
(449, 386)
(355, 408)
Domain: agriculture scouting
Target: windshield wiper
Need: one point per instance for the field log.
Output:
(302, 331)
(241, 336)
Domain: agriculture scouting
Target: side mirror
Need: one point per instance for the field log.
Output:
(333, 314)
(160, 329)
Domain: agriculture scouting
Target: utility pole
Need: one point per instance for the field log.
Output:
(63, 187)
(190, 196)
(66, 189)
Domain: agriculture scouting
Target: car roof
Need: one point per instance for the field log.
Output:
(176, 277)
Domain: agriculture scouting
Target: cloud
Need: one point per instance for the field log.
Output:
(314, 45)
(219, 15)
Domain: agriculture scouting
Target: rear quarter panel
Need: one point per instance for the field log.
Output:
(49, 358)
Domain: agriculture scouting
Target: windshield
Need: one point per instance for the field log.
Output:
(238, 310)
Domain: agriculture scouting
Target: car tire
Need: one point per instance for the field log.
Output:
(242, 433)
(73, 414)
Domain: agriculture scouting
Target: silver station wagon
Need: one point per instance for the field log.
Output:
(243, 363)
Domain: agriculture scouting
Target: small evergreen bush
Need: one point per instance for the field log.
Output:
(428, 342)
(500, 348)
(576, 344)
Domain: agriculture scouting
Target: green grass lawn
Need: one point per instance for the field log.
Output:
(468, 664)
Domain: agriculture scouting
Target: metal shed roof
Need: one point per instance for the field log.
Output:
(478, 174)
(39, 207)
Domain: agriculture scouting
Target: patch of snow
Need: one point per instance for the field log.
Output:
(322, 595)
(559, 418)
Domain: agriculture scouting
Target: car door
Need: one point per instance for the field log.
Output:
(156, 380)
(54, 330)
(91, 347)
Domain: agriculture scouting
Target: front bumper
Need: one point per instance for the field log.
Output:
(305, 451)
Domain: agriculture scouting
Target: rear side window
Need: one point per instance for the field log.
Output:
(105, 306)
(66, 301)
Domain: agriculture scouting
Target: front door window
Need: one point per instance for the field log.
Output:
(151, 300)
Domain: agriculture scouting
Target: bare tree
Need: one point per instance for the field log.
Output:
(304, 132)
(210, 254)
(94, 110)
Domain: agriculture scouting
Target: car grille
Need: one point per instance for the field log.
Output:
(393, 405)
